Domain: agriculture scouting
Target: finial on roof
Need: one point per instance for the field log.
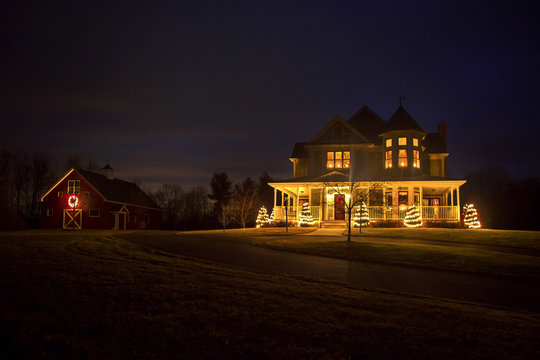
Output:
(108, 171)
(400, 99)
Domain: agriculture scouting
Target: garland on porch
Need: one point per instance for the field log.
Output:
(305, 217)
(361, 216)
(471, 217)
(413, 219)
(262, 217)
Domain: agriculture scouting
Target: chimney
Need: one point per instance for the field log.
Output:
(108, 171)
(442, 131)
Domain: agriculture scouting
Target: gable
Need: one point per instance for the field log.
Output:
(338, 132)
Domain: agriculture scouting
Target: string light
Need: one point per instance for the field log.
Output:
(262, 217)
(471, 217)
(413, 219)
(305, 217)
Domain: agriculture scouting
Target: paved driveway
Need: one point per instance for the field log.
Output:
(238, 251)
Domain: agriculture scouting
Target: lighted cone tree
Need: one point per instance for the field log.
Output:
(361, 216)
(413, 219)
(272, 216)
(262, 217)
(471, 217)
(305, 217)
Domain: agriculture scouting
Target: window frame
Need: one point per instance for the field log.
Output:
(388, 142)
(91, 213)
(416, 159)
(402, 141)
(402, 160)
(75, 186)
(388, 159)
(415, 142)
(338, 159)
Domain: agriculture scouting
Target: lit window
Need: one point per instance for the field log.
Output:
(49, 212)
(416, 159)
(338, 159)
(402, 141)
(95, 213)
(388, 197)
(388, 142)
(74, 186)
(346, 159)
(415, 141)
(388, 160)
(402, 158)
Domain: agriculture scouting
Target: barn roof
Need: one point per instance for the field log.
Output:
(117, 190)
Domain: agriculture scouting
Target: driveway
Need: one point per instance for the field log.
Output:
(238, 251)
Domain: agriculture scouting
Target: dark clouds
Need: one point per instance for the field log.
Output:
(176, 91)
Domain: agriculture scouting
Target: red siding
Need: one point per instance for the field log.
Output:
(94, 201)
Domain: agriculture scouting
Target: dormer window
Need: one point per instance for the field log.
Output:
(402, 141)
(402, 161)
(415, 142)
(388, 142)
(388, 160)
(338, 159)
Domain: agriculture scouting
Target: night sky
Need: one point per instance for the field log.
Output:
(171, 91)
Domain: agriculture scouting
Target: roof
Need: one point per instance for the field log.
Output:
(299, 150)
(434, 144)
(338, 138)
(117, 190)
(401, 120)
(367, 123)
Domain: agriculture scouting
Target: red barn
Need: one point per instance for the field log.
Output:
(87, 200)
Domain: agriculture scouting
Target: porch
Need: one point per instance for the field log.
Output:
(376, 213)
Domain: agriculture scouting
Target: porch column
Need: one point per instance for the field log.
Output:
(458, 206)
(410, 196)
(275, 197)
(451, 196)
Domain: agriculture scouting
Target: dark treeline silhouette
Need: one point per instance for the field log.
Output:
(501, 201)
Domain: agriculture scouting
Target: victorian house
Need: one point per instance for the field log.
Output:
(396, 160)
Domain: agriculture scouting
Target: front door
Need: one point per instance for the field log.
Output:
(72, 219)
(339, 207)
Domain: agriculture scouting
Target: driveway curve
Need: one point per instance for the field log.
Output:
(238, 251)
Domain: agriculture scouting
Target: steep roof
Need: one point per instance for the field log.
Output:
(401, 120)
(434, 144)
(299, 150)
(367, 123)
(118, 190)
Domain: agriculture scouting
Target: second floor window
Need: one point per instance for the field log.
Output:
(402, 161)
(388, 142)
(388, 160)
(416, 159)
(338, 159)
(402, 141)
(74, 186)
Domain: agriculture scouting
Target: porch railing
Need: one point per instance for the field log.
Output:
(441, 213)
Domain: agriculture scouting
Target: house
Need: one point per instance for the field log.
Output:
(395, 161)
(87, 200)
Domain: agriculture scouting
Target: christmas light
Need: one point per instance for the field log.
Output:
(361, 216)
(413, 219)
(262, 217)
(73, 201)
(272, 216)
(305, 217)
(471, 217)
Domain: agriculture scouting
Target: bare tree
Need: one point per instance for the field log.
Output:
(353, 193)
(244, 202)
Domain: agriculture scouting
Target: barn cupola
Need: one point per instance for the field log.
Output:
(108, 171)
(402, 143)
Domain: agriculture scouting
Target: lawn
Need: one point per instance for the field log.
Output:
(508, 253)
(91, 295)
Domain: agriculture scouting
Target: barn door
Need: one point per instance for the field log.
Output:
(72, 219)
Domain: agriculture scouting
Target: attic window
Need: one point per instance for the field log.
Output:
(402, 161)
(74, 186)
(338, 159)
(402, 141)
(388, 142)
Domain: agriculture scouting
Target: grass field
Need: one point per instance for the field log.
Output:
(91, 295)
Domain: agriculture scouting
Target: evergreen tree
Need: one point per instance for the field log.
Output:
(305, 217)
(413, 219)
(262, 217)
(361, 216)
(272, 216)
(471, 217)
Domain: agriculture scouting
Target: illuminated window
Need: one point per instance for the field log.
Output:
(388, 142)
(415, 141)
(402, 141)
(388, 160)
(388, 197)
(346, 159)
(402, 161)
(95, 213)
(74, 186)
(403, 198)
(416, 159)
(338, 159)
(49, 212)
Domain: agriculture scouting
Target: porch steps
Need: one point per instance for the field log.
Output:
(333, 224)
